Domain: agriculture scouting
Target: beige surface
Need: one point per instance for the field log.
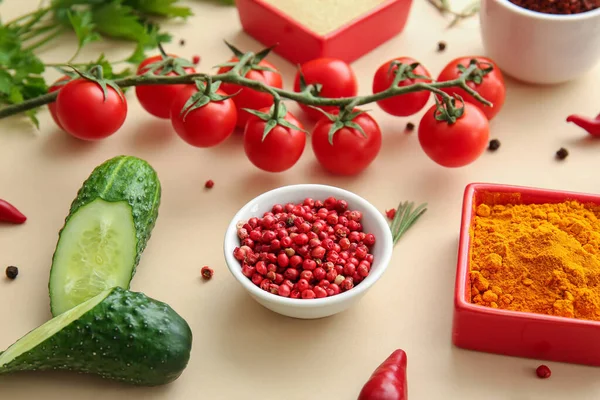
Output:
(324, 16)
(242, 351)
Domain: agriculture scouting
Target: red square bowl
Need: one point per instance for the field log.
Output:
(298, 43)
(513, 333)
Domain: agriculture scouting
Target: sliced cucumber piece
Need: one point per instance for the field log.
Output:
(95, 245)
(118, 334)
(50, 328)
(96, 251)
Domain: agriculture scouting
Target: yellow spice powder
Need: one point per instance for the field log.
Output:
(541, 258)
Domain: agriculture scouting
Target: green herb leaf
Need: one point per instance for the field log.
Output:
(118, 21)
(82, 24)
(405, 218)
(6, 82)
(164, 8)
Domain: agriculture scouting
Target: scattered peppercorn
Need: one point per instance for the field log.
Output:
(12, 272)
(558, 6)
(196, 59)
(316, 248)
(562, 153)
(207, 273)
(441, 46)
(494, 145)
(390, 213)
(543, 372)
(410, 127)
(182, 42)
(209, 184)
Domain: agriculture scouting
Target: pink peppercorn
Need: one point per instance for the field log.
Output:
(283, 260)
(308, 275)
(309, 265)
(319, 273)
(313, 248)
(257, 279)
(303, 284)
(284, 290)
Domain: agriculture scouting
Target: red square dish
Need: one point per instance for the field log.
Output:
(298, 43)
(513, 333)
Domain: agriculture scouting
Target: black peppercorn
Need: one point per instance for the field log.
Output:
(562, 153)
(182, 42)
(410, 127)
(494, 145)
(441, 46)
(12, 272)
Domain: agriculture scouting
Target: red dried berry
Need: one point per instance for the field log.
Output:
(543, 372)
(390, 213)
(209, 184)
(207, 273)
(195, 59)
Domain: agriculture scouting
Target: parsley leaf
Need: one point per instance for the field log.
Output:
(164, 8)
(82, 24)
(118, 21)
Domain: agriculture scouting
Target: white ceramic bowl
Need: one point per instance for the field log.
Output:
(373, 222)
(540, 48)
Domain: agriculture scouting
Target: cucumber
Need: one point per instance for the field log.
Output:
(105, 233)
(118, 335)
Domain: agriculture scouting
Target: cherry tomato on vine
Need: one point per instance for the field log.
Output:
(405, 104)
(206, 126)
(282, 147)
(336, 77)
(52, 106)
(351, 152)
(492, 86)
(156, 99)
(85, 113)
(458, 144)
(249, 98)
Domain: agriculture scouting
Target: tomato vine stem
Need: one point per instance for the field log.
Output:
(234, 76)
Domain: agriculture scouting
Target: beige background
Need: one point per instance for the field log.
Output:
(241, 350)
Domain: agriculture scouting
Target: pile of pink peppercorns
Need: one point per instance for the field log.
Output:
(310, 250)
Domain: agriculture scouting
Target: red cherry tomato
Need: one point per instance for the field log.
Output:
(350, 152)
(85, 113)
(280, 150)
(249, 98)
(206, 126)
(492, 87)
(52, 106)
(405, 104)
(336, 77)
(458, 144)
(156, 99)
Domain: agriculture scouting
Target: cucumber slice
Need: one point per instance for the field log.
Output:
(50, 328)
(118, 335)
(110, 219)
(95, 252)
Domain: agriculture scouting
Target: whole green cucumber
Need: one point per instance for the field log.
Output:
(118, 335)
(107, 229)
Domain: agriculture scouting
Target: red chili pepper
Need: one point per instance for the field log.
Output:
(592, 126)
(10, 214)
(388, 382)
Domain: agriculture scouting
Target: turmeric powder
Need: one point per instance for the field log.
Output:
(540, 258)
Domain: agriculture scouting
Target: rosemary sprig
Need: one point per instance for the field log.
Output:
(405, 218)
(444, 7)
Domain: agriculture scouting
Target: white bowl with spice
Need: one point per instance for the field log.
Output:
(369, 220)
(540, 47)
